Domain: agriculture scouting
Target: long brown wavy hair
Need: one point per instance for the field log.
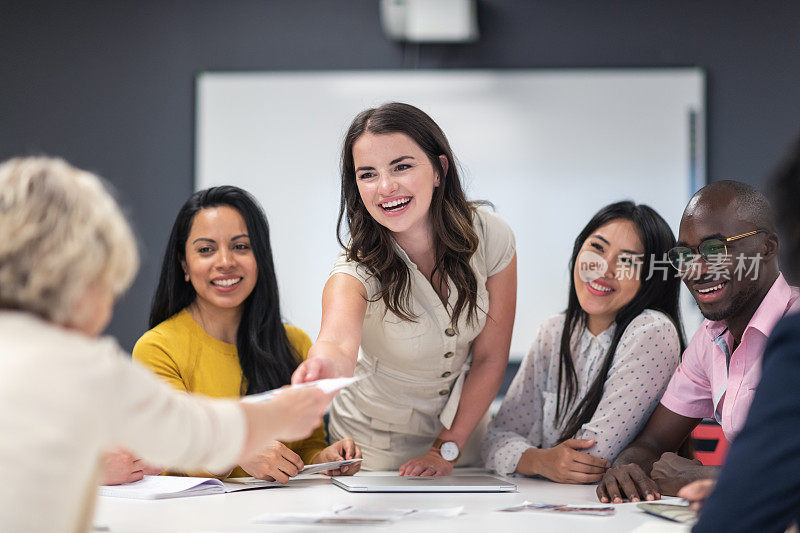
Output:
(372, 245)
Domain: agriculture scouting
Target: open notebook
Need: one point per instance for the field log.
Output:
(161, 487)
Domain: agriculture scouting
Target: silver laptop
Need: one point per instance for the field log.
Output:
(395, 483)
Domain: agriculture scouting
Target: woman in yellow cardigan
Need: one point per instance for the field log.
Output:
(216, 322)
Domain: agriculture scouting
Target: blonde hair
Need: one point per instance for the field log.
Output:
(60, 232)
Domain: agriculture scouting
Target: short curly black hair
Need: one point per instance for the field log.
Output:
(751, 204)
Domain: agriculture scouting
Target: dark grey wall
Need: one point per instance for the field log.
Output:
(109, 85)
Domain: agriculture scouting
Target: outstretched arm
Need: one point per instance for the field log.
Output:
(334, 354)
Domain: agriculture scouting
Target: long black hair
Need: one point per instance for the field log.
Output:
(265, 354)
(657, 291)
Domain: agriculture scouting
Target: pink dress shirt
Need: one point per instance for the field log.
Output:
(706, 386)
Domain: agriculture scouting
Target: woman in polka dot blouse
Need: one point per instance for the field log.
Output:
(595, 372)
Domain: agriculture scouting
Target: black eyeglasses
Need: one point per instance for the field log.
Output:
(713, 251)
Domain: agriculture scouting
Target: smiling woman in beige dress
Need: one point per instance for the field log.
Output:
(420, 303)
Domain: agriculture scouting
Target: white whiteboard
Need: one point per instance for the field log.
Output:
(547, 147)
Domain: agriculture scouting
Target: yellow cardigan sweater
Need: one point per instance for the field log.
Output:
(180, 352)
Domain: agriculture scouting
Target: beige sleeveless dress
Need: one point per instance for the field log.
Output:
(414, 371)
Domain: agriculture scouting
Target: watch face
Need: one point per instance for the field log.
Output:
(449, 450)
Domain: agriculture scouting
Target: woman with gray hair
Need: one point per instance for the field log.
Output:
(66, 253)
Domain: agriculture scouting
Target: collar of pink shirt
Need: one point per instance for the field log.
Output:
(733, 387)
(778, 300)
(705, 386)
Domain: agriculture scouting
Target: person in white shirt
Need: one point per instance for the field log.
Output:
(595, 372)
(66, 395)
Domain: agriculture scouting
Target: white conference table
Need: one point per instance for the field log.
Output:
(234, 512)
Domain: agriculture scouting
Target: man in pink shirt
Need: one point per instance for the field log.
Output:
(727, 254)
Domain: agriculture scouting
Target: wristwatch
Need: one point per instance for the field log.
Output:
(447, 449)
